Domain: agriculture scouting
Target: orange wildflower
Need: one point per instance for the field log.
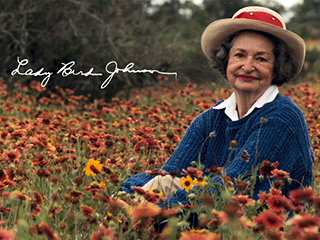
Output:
(279, 174)
(192, 235)
(192, 172)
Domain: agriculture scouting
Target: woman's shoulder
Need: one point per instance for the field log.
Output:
(285, 110)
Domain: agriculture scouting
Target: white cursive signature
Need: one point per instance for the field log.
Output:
(30, 72)
(127, 69)
(67, 70)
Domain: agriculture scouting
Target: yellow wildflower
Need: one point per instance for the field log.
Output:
(187, 183)
(90, 163)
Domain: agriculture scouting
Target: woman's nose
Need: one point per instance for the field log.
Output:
(248, 65)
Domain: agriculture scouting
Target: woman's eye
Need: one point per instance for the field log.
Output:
(239, 55)
(261, 59)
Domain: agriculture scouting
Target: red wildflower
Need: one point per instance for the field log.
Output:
(215, 170)
(243, 200)
(305, 221)
(151, 197)
(141, 147)
(138, 190)
(245, 156)
(267, 167)
(279, 174)
(142, 131)
(38, 197)
(103, 233)
(76, 193)
(192, 172)
(241, 185)
(303, 195)
(6, 234)
(269, 219)
(187, 206)
(87, 211)
(274, 191)
(3, 209)
(11, 156)
(95, 187)
(157, 172)
(48, 231)
(277, 203)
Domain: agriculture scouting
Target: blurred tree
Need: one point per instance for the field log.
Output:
(306, 23)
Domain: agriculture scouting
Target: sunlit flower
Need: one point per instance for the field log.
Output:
(95, 164)
(279, 174)
(267, 167)
(187, 183)
(193, 235)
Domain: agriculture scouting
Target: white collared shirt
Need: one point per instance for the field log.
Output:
(230, 104)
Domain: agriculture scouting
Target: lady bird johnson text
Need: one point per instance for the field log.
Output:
(67, 69)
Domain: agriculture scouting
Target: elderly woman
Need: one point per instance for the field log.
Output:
(255, 53)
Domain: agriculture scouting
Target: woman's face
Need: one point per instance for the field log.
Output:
(250, 64)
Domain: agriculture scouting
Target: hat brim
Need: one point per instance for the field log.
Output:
(217, 32)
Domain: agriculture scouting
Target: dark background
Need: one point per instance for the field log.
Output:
(92, 33)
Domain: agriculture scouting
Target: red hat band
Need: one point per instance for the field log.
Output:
(262, 17)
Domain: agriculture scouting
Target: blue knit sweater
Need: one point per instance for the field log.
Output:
(284, 138)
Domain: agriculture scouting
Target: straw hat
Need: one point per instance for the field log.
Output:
(253, 18)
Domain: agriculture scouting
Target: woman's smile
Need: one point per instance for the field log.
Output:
(247, 78)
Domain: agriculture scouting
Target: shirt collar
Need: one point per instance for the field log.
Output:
(230, 104)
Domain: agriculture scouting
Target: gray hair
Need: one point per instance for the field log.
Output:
(285, 66)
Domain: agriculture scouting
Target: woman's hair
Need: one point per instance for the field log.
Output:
(285, 67)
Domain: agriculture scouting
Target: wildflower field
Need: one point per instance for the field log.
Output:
(64, 158)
